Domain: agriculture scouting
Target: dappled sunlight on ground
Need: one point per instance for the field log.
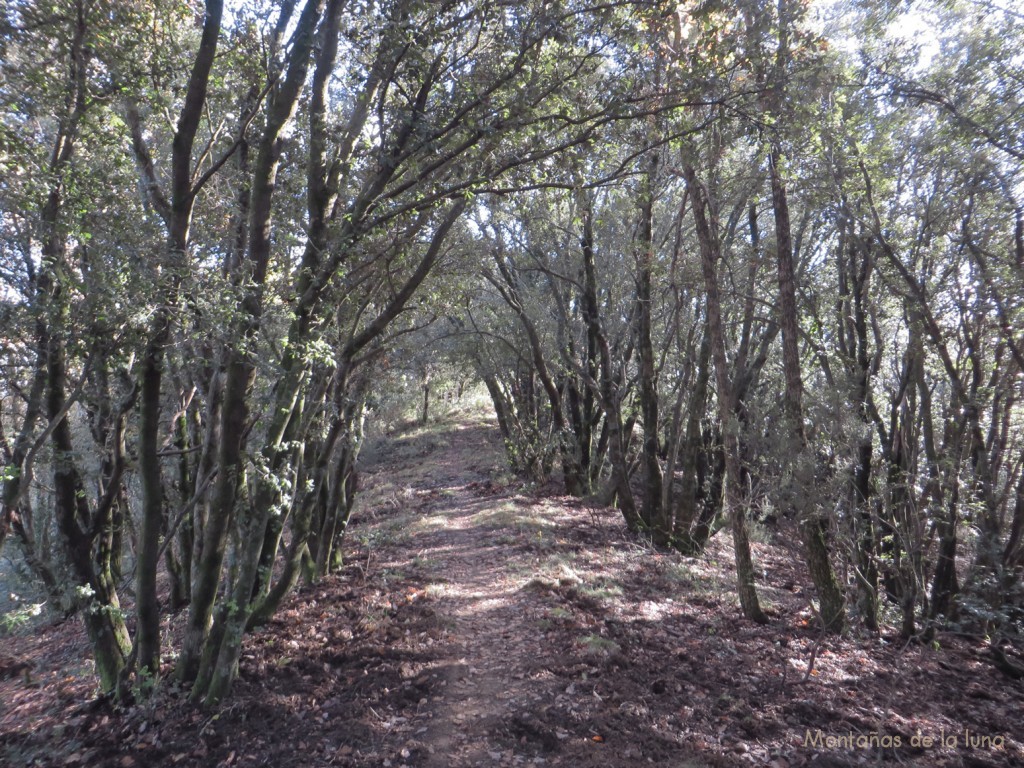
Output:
(484, 622)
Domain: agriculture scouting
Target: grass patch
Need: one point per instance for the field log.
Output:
(557, 570)
(437, 589)
(392, 574)
(426, 524)
(391, 533)
(697, 576)
(680, 572)
(599, 646)
(601, 590)
(425, 563)
(759, 533)
(555, 617)
(509, 515)
(505, 540)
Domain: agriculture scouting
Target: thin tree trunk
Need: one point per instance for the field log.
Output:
(425, 415)
(814, 527)
(608, 389)
(734, 492)
(687, 537)
(220, 649)
(1013, 553)
(653, 512)
(510, 292)
(856, 263)
(177, 215)
(77, 523)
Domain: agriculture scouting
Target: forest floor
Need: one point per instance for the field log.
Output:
(484, 622)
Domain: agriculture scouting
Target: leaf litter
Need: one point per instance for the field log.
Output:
(481, 621)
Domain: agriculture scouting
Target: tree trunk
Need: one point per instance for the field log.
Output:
(653, 513)
(814, 527)
(608, 390)
(855, 265)
(147, 609)
(96, 593)
(177, 214)
(1013, 553)
(945, 584)
(500, 403)
(211, 659)
(686, 536)
(230, 473)
(734, 492)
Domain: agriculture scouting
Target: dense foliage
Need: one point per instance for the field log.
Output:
(712, 262)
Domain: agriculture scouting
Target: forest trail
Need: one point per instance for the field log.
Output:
(472, 543)
(481, 621)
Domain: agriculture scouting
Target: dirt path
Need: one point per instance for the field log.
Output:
(515, 677)
(489, 678)
(482, 688)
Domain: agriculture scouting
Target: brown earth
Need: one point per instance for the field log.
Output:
(482, 622)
